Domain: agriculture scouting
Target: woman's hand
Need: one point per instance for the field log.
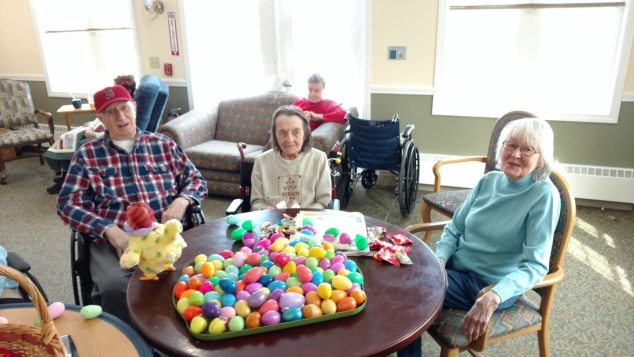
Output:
(476, 320)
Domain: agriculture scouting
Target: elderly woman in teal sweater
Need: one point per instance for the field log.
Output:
(502, 234)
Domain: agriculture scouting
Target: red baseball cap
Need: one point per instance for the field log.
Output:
(109, 95)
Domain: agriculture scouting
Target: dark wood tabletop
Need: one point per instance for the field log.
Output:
(402, 301)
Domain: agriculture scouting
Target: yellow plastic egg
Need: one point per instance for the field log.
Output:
(242, 308)
(182, 304)
(217, 264)
(324, 290)
(317, 252)
(341, 282)
(278, 246)
(343, 272)
(200, 258)
(299, 246)
(285, 240)
(217, 326)
(290, 267)
(328, 307)
(288, 250)
(303, 252)
(328, 246)
(198, 324)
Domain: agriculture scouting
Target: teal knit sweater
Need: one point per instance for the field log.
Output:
(503, 232)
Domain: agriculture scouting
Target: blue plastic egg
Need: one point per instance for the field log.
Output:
(278, 284)
(184, 279)
(351, 266)
(292, 314)
(318, 278)
(227, 285)
(266, 264)
(265, 279)
(228, 300)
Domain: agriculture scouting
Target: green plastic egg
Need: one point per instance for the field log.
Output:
(247, 225)
(232, 220)
(236, 323)
(333, 231)
(361, 242)
(238, 233)
(90, 311)
(356, 278)
(307, 222)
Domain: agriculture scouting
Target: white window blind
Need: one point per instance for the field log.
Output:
(85, 44)
(560, 59)
(244, 48)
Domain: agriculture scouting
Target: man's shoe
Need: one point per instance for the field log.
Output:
(59, 179)
(54, 190)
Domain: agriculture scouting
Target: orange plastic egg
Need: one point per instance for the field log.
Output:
(338, 295)
(295, 289)
(313, 298)
(189, 270)
(346, 304)
(240, 285)
(194, 283)
(186, 293)
(254, 319)
(311, 310)
(208, 270)
(358, 295)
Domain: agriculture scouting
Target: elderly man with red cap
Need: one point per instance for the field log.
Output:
(109, 174)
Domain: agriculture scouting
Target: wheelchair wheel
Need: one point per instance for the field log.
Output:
(344, 191)
(408, 178)
(368, 178)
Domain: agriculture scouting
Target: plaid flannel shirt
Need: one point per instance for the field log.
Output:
(103, 180)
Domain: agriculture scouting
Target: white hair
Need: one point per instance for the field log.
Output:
(533, 132)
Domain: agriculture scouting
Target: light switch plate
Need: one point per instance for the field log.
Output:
(154, 62)
(396, 52)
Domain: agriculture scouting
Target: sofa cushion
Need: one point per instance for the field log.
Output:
(219, 155)
(249, 119)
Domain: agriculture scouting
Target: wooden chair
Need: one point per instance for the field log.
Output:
(16, 112)
(448, 202)
(524, 316)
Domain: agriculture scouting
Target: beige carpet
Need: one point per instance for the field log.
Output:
(594, 306)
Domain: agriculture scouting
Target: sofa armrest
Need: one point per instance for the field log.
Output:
(192, 128)
(326, 135)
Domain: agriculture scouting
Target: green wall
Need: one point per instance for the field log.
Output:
(575, 143)
(41, 100)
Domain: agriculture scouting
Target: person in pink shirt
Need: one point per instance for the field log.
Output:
(317, 109)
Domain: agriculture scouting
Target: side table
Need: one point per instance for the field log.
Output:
(105, 335)
(69, 110)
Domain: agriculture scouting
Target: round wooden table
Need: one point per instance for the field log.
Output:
(402, 302)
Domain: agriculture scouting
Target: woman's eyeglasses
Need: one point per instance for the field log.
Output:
(524, 150)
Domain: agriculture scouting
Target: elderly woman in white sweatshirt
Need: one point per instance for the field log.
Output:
(293, 172)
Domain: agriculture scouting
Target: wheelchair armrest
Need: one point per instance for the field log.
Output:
(16, 262)
(196, 215)
(347, 130)
(407, 133)
(234, 207)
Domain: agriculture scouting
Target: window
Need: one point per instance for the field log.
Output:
(245, 48)
(85, 44)
(560, 59)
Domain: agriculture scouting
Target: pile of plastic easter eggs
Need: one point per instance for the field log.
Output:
(274, 282)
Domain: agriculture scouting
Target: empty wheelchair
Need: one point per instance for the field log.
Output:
(371, 145)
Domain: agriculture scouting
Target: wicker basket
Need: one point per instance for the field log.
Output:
(29, 340)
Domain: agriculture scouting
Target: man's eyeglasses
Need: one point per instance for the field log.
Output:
(524, 150)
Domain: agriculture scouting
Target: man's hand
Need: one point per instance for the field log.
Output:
(89, 134)
(118, 238)
(476, 320)
(313, 116)
(176, 210)
(442, 262)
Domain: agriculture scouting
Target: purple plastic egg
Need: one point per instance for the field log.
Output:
(272, 256)
(210, 309)
(342, 254)
(263, 252)
(253, 287)
(288, 300)
(248, 242)
(336, 267)
(275, 294)
(257, 248)
(355, 286)
(344, 238)
(271, 318)
(329, 238)
(300, 260)
(308, 287)
(242, 295)
(324, 263)
(257, 299)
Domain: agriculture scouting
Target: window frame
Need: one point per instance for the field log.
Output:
(624, 47)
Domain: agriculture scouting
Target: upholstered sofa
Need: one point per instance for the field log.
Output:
(210, 136)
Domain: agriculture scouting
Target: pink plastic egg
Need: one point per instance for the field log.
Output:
(308, 287)
(355, 286)
(56, 309)
(264, 243)
(228, 312)
(269, 305)
(304, 274)
(275, 237)
(300, 261)
(246, 250)
(283, 276)
(225, 254)
(344, 238)
(248, 241)
(336, 267)
(324, 263)
(254, 259)
(238, 259)
(329, 238)
(335, 260)
(282, 259)
(309, 228)
(252, 275)
(206, 287)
